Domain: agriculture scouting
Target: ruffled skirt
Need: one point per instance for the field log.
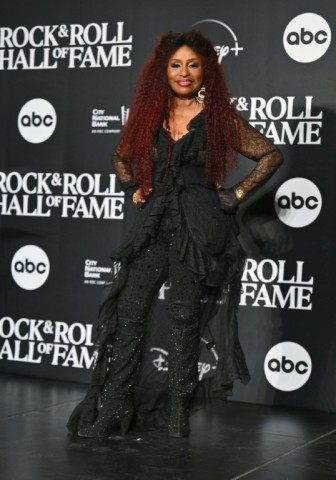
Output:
(211, 251)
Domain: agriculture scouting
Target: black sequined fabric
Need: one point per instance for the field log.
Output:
(181, 234)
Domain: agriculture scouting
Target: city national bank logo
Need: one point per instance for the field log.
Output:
(287, 366)
(30, 267)
(44, 47)
(95, 274)
(104, 122)
(307, 37)
(298, 202)
(221, 35)
(37, 120)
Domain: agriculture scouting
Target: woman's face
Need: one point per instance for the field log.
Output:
(185, 72)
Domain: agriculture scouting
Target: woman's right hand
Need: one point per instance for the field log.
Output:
(138, 196)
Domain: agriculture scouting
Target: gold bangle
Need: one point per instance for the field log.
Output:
(239, 192)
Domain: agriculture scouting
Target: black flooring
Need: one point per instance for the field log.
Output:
(233, 441)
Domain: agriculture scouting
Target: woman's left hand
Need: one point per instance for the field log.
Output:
(228, 200)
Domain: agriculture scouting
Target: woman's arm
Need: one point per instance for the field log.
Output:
(124, 173)
(256, 146)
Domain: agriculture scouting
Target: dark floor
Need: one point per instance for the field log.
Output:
(231, 442)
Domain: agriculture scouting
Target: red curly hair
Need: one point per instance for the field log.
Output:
(150, 102)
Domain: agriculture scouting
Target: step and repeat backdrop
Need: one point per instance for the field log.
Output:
(67, 70)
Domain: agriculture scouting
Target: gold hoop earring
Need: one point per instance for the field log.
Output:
(200, 97)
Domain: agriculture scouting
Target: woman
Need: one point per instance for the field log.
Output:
(179, 143)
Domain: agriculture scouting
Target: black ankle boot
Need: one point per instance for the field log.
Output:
(114, 413)
(179, 417)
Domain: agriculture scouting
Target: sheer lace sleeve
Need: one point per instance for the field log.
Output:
(124, 173)
(256, 146)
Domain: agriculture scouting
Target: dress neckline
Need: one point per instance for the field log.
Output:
(190, 127)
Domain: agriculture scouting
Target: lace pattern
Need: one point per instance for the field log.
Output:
(124, 173)
(257, 147)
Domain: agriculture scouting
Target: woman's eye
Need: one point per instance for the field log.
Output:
(190, 65)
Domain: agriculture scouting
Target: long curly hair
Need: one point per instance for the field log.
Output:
(151, 102)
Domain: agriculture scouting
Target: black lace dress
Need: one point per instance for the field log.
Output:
(207, 242)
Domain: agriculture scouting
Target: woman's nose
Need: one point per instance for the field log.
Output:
(184, 71)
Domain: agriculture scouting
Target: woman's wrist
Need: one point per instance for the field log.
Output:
(240, 192)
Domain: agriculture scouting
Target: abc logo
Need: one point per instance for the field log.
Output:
(37, 120)
(287, 366)
(30, 267)
(307, 37)
(298, 202)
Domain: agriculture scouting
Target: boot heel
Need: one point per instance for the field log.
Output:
(113, 414)
(125, 423)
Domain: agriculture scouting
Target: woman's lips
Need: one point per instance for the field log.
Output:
(184, 83)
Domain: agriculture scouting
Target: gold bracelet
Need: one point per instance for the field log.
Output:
(239, 192)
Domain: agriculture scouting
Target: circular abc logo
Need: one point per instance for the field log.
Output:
(298, 202)
(307, 37)
(30, 267)
(287, 366)
(37, 120)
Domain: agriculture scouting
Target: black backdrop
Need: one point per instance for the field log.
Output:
(67, 70)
